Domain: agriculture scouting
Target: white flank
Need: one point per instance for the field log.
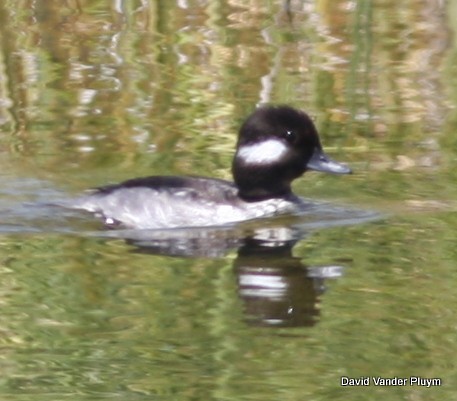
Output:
(264, 152)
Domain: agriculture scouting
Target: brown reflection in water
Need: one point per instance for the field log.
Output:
(148, 85)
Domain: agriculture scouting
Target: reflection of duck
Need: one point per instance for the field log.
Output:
(275, 146)
(276, 288)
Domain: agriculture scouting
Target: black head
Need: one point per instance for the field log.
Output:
(277, 144)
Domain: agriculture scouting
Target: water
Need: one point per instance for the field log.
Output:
(92, 93)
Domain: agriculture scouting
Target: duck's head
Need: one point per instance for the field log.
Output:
(277, 144)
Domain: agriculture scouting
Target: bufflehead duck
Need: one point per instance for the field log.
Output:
(276, 144)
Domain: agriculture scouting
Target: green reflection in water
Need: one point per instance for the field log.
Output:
(108, 321)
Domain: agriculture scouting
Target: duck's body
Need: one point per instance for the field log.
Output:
(275, 146)
(163, 202)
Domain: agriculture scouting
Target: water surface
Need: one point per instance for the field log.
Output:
(96, 92)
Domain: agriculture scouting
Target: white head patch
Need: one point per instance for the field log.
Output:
(264, 152)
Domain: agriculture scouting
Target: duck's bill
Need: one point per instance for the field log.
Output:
(321, 162)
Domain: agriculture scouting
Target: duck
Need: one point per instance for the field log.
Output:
(275, 146)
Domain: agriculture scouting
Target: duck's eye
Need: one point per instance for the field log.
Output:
(290, 136)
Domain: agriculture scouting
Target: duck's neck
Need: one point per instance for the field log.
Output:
(258, 184)
(260, 194)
